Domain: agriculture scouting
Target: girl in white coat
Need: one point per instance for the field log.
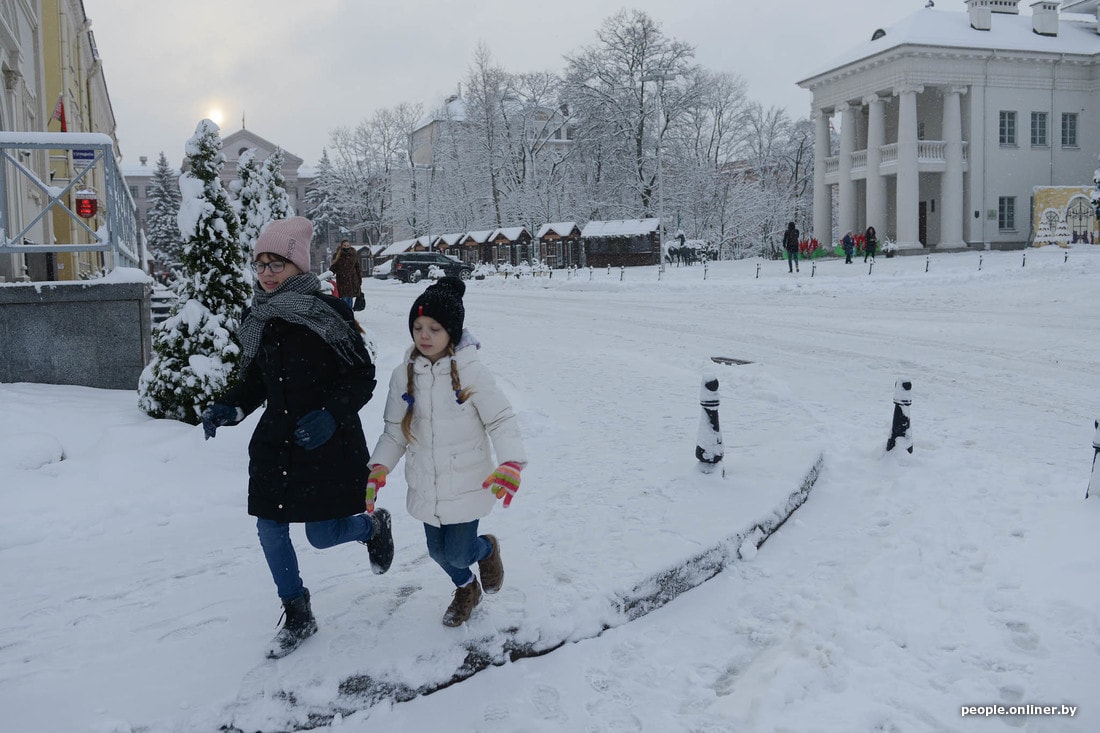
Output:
(442, 412)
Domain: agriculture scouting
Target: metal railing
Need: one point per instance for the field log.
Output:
(89, 152)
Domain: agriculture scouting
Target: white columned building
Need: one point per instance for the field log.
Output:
(949, 118)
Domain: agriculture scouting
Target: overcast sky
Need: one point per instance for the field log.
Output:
(298, 70)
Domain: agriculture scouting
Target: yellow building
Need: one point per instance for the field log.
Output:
(75, 95)
(1063, 215)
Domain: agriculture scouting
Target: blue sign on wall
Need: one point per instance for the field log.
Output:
(81, 154)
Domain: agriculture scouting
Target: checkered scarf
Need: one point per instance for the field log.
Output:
(296, 301)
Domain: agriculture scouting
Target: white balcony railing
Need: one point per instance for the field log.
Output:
(932, 153)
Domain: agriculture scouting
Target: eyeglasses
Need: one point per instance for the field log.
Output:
(276, 267)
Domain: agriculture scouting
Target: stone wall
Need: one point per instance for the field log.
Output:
(84, 333)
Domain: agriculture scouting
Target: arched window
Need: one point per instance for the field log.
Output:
(1079, 217)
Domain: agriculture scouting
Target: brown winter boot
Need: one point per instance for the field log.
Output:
(466, 598)
(491, 568)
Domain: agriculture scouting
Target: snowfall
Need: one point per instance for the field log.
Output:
(814, 582)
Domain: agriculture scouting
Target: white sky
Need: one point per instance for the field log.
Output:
(297, 74)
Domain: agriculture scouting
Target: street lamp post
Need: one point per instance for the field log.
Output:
(662, 77)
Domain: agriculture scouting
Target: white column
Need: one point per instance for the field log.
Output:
(876, 182)
(823, 200)
(951, 191)
(908, 179)
(846, 196)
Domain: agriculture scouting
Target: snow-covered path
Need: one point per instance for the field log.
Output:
(907, 587)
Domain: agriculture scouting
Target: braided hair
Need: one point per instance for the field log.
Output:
(461, 394)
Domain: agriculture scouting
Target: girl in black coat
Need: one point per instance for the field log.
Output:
(870, 244)
(302, 354)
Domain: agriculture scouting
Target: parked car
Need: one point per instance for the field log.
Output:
(411, 267)
(382, 271)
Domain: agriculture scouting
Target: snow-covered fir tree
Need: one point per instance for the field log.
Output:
(278, 200)
(162, 233)
(249, 190)
(195, 350)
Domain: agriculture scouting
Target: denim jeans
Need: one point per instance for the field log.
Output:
(455, 547)
(349, 300)
(279, 551)
(792, 260)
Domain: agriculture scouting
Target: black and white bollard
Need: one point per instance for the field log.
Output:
(708, 446)
(900, 433)
(1094, 480)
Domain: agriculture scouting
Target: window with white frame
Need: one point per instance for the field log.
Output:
(1008, 128)
(1069, 129)
(1006, 212)
(1039, 129)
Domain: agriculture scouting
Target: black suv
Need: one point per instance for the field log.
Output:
(410, 267)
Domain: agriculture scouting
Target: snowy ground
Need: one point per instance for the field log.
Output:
(907, 587)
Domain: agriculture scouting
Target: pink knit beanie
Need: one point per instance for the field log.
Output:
(288, 238)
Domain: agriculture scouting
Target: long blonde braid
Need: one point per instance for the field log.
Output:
(461, 394)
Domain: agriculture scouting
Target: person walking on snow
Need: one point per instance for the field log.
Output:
(790, 243)
(349, 273)
(849, 245)
(442, 412)
(303, 355)
(870, 244)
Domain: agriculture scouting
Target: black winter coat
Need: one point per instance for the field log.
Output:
(296, 372)
(790, 240)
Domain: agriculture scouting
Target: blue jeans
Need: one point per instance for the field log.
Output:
(279, 551)
(455, 547)
(792, 260)
(350, 301)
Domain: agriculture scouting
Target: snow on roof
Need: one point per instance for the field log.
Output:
(1080, 6)
(620, 227)
(478, 237)
(452, 239)
(561, 228)
(16, 137)
(509, 233)
(951, 29)
(376, 249)
(398, 247)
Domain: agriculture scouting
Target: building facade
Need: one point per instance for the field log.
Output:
(22, 109)
(297, 178)
(949, 119)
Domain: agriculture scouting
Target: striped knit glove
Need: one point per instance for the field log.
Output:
(504, 481)
(375, 481)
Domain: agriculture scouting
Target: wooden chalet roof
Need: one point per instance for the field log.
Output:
(620, 228)
(559, 229)
(510, 234)
(476, 237)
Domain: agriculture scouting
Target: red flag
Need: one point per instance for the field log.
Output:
(59, 112)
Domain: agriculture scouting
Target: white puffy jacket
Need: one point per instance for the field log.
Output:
(450, 455)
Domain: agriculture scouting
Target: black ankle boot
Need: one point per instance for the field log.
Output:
(380, 544)
(299, 626)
